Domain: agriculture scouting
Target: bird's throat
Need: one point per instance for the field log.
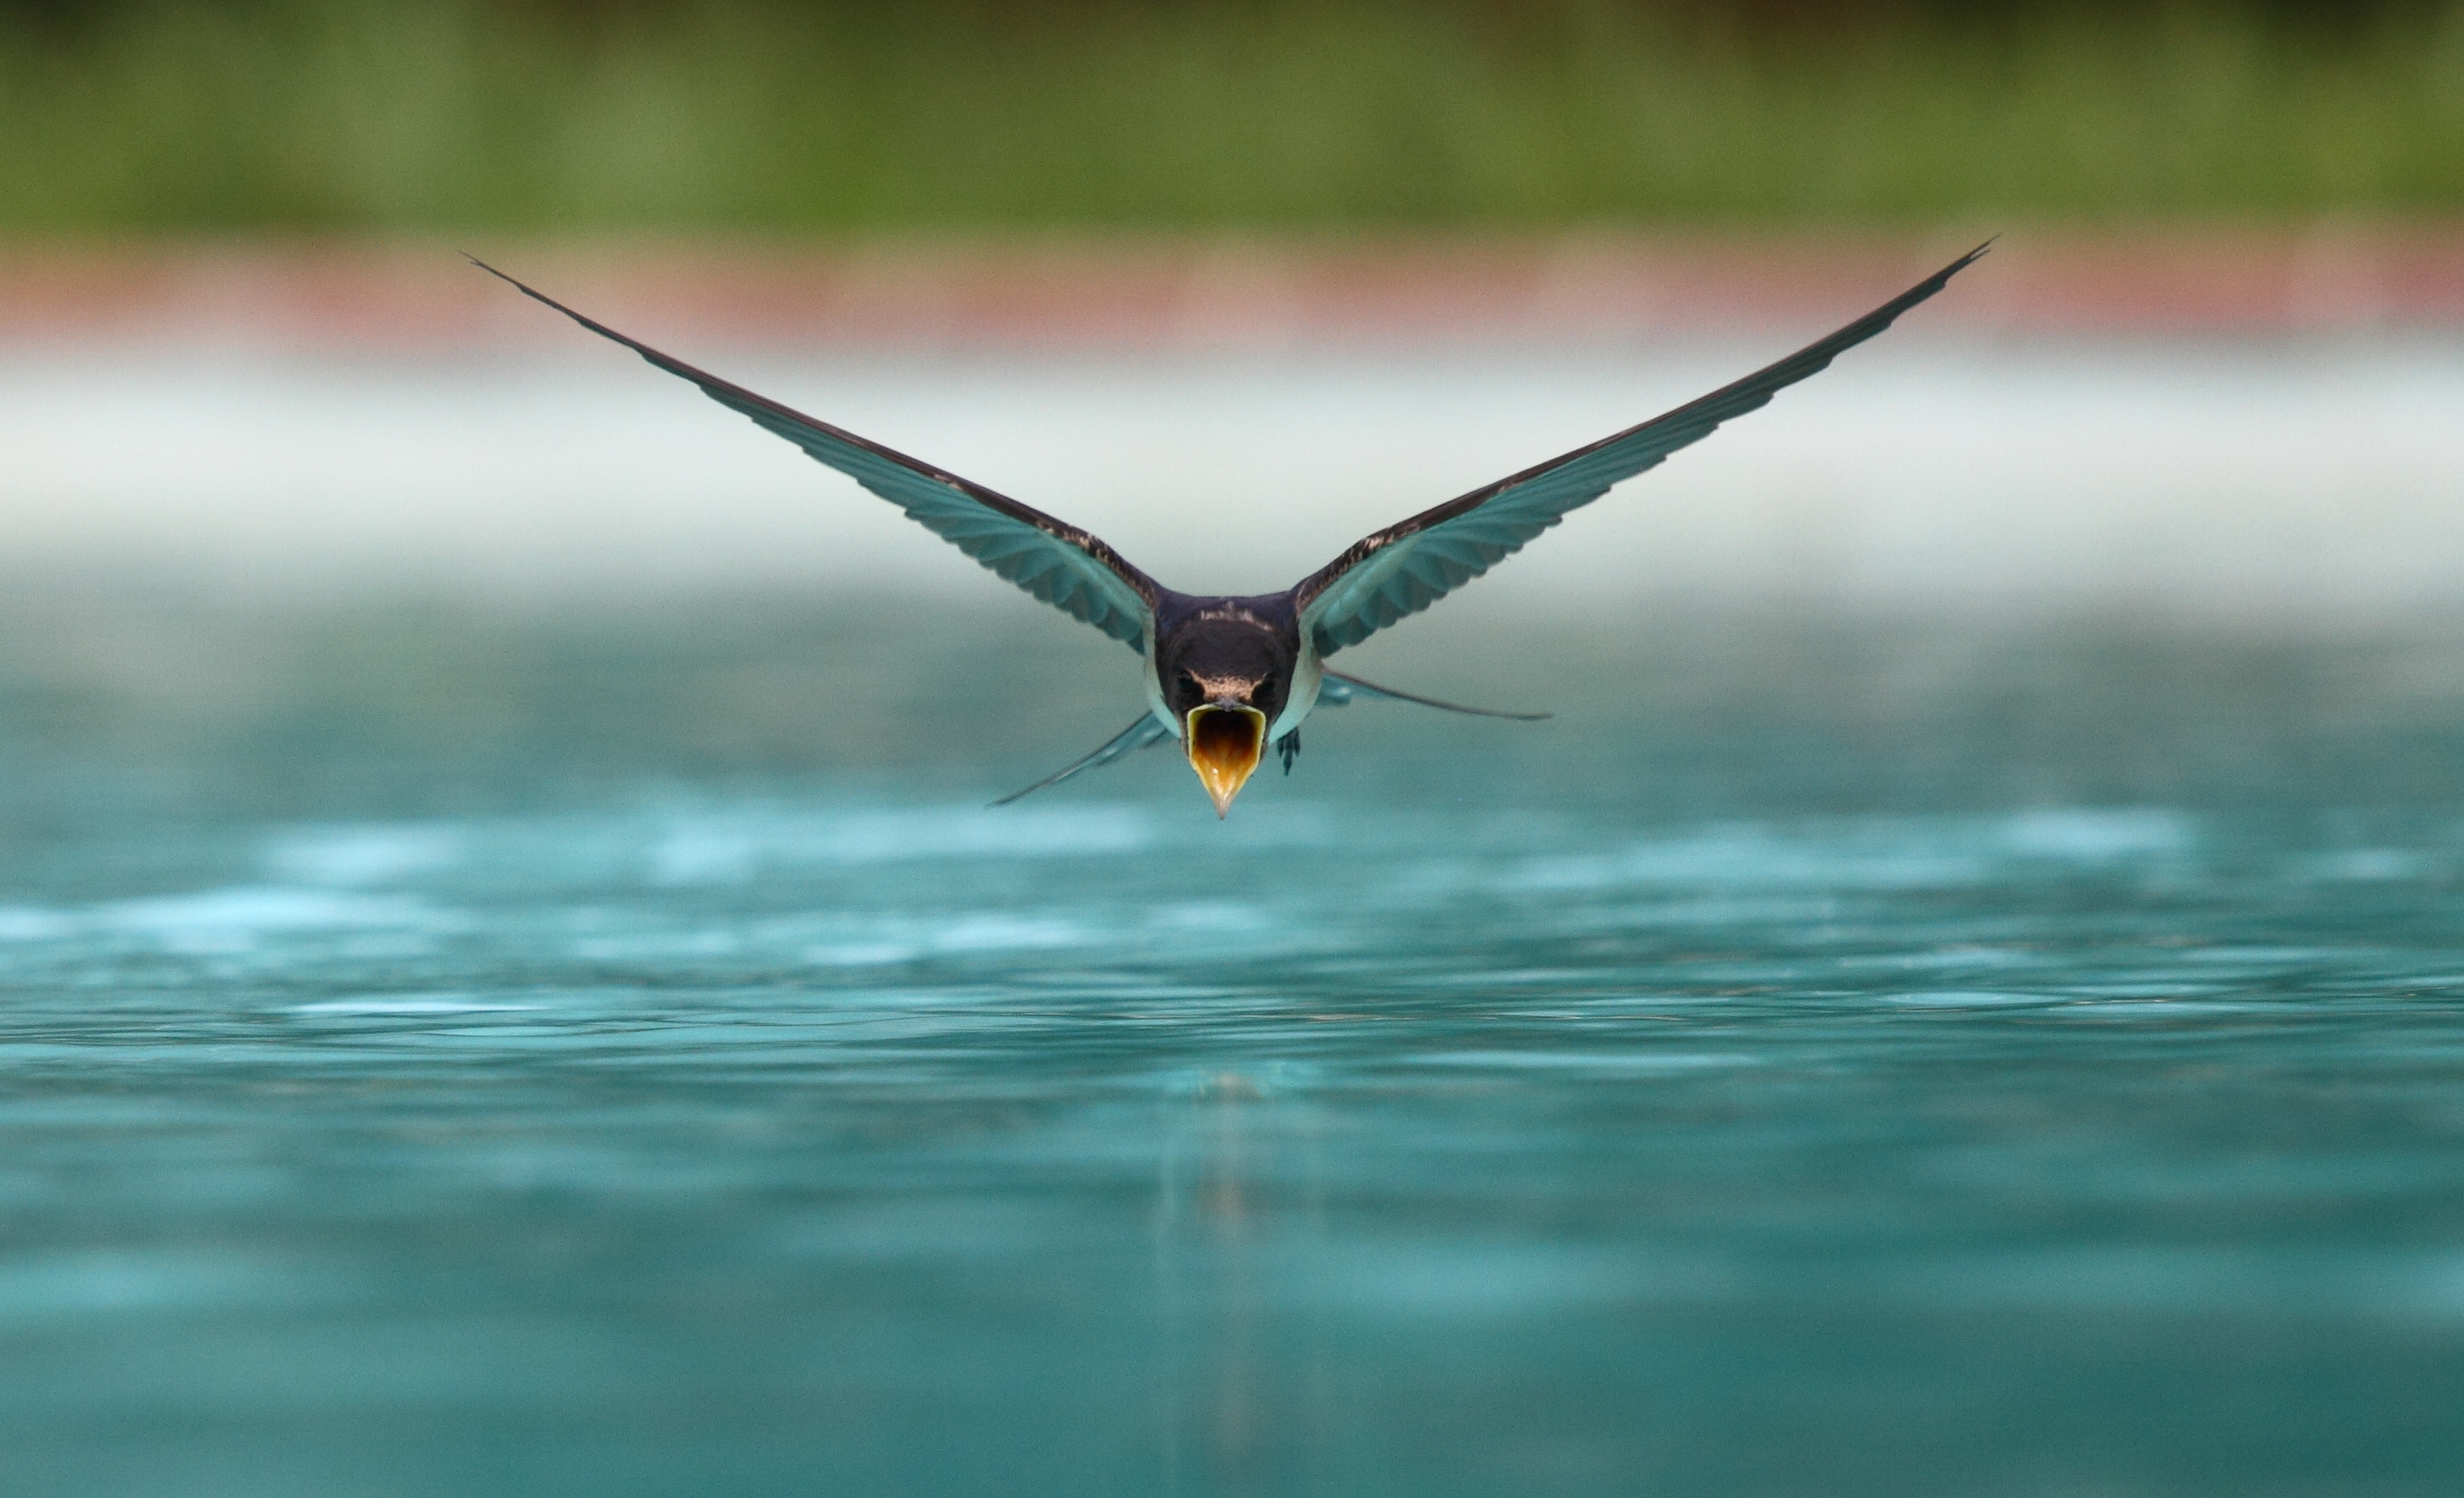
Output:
(1225, 745)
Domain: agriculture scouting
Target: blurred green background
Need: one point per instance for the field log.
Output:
(150, 117)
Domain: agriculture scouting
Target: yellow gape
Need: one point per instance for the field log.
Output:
(1225, 744)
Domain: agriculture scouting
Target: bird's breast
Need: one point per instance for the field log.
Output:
(1155, 704)
(1307, 675)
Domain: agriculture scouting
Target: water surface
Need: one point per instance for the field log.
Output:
(619, 1055)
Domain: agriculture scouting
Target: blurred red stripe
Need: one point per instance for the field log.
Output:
(1131, 294)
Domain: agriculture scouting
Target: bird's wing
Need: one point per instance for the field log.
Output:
(1064, 566)
(1404, 568)
(1138, 736)
(1338, 689)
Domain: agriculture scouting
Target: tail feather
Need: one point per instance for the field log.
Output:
(1138, 736)
(1340, 689)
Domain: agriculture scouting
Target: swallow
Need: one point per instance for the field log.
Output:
(1231, 678)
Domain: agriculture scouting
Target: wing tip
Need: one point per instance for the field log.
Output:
(492, 270)
(1979, 253)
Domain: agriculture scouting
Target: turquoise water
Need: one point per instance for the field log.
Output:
(617, 1053)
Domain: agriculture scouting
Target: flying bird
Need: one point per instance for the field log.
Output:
(1232, 677)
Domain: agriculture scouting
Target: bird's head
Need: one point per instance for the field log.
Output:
(1225, 670)
(1225, 680)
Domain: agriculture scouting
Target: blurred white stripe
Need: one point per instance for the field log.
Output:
(2320, 478)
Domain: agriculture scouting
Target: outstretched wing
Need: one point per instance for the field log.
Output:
(1338, 689)
(1064, 566)
(1404, 568)
(1138, 736)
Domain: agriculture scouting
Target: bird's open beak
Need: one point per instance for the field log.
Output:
(1225, 745)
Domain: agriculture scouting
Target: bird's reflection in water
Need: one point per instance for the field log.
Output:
(1216, 1229)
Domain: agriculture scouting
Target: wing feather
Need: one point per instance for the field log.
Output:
(1057, 562)
(1402, 569)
